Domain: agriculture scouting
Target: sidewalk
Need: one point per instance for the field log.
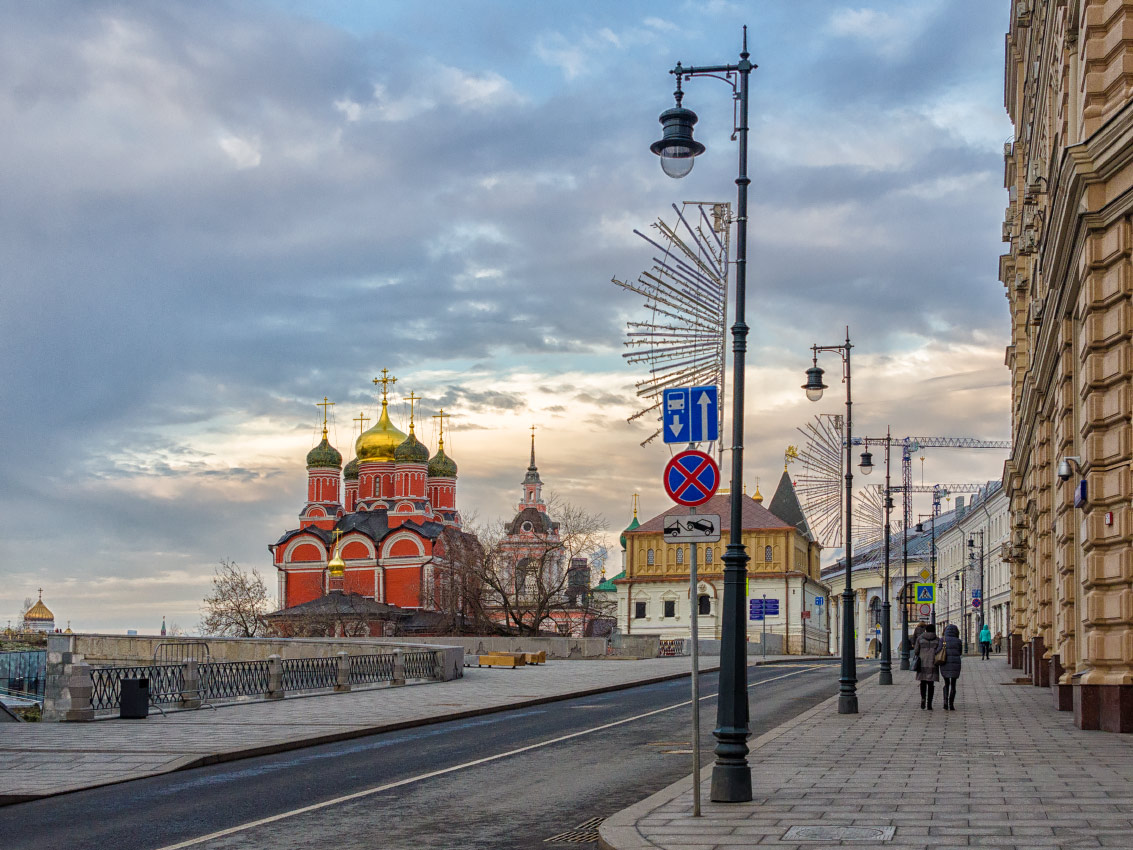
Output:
(1004, 770)
(43, 759)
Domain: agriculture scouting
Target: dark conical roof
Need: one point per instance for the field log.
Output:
(785, 505)
(350, 473)
(411, 450)
(441, 465)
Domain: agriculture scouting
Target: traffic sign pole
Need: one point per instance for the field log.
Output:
(694, 603)
(764, 638)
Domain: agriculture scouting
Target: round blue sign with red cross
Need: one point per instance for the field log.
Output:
(691, 478)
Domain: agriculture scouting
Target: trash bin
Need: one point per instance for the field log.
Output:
(133, 699)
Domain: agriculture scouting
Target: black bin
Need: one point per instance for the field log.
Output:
(133, 699)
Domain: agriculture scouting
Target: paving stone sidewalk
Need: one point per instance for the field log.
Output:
(1004, 770)
(42, 759)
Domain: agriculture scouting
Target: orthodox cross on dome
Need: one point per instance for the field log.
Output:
(324, 404)
(361, 419)
(385, 380)
(441, 417)
(635, 505)
(337, 535)
(412, 397)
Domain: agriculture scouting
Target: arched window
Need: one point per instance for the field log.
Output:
(704, 603)
(680, 556)
(649, 557)
(708, 554)
(875, 612)
(768, 555)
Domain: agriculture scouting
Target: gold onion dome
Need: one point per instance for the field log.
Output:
(350, 473)
(411, 450)
(380, 442)
(39, 612)
(337, 566)
(324, 455)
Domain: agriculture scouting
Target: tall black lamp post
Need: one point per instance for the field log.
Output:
(731, 776)
(908, 447)
(980, 614)
(848, 680)
(885, 675)
(920, 530)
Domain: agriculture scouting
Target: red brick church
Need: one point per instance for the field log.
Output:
(374, 528)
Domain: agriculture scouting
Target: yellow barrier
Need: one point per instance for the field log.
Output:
(500, 659)
(539, 657)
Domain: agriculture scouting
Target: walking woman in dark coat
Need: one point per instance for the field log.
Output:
(950, 669)
(925, 650)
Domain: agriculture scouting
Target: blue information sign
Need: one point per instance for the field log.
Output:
(691, 415)
(977, 593)
(760, 608)
(819, 601)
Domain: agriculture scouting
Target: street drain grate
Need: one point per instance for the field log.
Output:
(839, 833)
(968, 754)
(584, 833)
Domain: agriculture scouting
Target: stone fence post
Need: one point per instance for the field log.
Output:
(190, 684)
(439, 665)
(343, 683)
(67, 697)
(398, 668)
(275, 678)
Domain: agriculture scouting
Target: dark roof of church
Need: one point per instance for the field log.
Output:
(785, 505)
(345, 604)
(540, 522)
(373, 524)
(753, 514)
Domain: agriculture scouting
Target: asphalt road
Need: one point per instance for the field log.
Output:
(506, 780)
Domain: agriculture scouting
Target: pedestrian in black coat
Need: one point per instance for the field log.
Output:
(924, 651)
(950, 669)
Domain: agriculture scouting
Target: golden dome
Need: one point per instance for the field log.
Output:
(39, 612)
(379, 443)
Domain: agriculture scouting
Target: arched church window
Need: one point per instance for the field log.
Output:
(768, 555)
(704, 603)
(649, 557)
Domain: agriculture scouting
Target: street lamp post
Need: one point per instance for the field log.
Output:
(885, 675)
(920, 530)
(983, 593)
(848, 680)
(731, 775)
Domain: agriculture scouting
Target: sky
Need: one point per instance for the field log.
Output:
(214, 214)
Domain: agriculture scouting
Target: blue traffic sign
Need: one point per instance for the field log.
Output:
(819, 601)
(926, 593)
(691, 478)
(691, 415)
(977, 593)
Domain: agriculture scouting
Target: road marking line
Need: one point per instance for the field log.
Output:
(369, 792)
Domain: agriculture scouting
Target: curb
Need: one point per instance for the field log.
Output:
(189, 762)
(619, 831)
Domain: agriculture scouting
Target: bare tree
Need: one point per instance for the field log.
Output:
(28, 602)
(237, 604)
(515, 587)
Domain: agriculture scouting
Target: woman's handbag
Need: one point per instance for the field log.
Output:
(941, 654)
(917, 663)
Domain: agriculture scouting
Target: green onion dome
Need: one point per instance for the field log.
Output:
(441, 465)
(324, 455)
(411, 450)
(350, 473)
(633, 524)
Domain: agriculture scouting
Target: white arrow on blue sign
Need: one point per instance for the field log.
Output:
(691, 415)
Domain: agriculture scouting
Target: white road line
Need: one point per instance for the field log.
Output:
(369, 792)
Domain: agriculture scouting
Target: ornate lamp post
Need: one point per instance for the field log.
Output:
(885, 675)
(731, 776)
(848, 680)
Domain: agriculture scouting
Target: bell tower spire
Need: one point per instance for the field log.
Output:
(532, 484)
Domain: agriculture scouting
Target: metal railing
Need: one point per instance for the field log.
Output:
(230, 679)
(175, 652)
(367, 669)
(419, 665)
(308, 674)
(166, 682)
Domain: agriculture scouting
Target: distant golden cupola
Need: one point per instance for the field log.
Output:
(378, 444)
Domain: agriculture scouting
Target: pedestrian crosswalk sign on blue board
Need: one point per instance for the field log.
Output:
(926, 593)
(691, 415)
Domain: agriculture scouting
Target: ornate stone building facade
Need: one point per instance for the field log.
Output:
(1069, 276)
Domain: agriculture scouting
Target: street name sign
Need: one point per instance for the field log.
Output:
(691, 415)
(926, 593)
(693, 528)
(691, 478)
(760, 608)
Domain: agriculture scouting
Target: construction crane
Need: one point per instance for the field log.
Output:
(820, 486)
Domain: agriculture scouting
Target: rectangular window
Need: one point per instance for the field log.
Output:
(639, 610)
(670, 607)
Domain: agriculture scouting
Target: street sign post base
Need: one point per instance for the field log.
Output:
(731, 783)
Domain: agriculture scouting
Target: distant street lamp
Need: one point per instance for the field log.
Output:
(848, 680)
(731, 775)
(885, 675)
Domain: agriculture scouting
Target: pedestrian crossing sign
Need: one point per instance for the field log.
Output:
(926, 593)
